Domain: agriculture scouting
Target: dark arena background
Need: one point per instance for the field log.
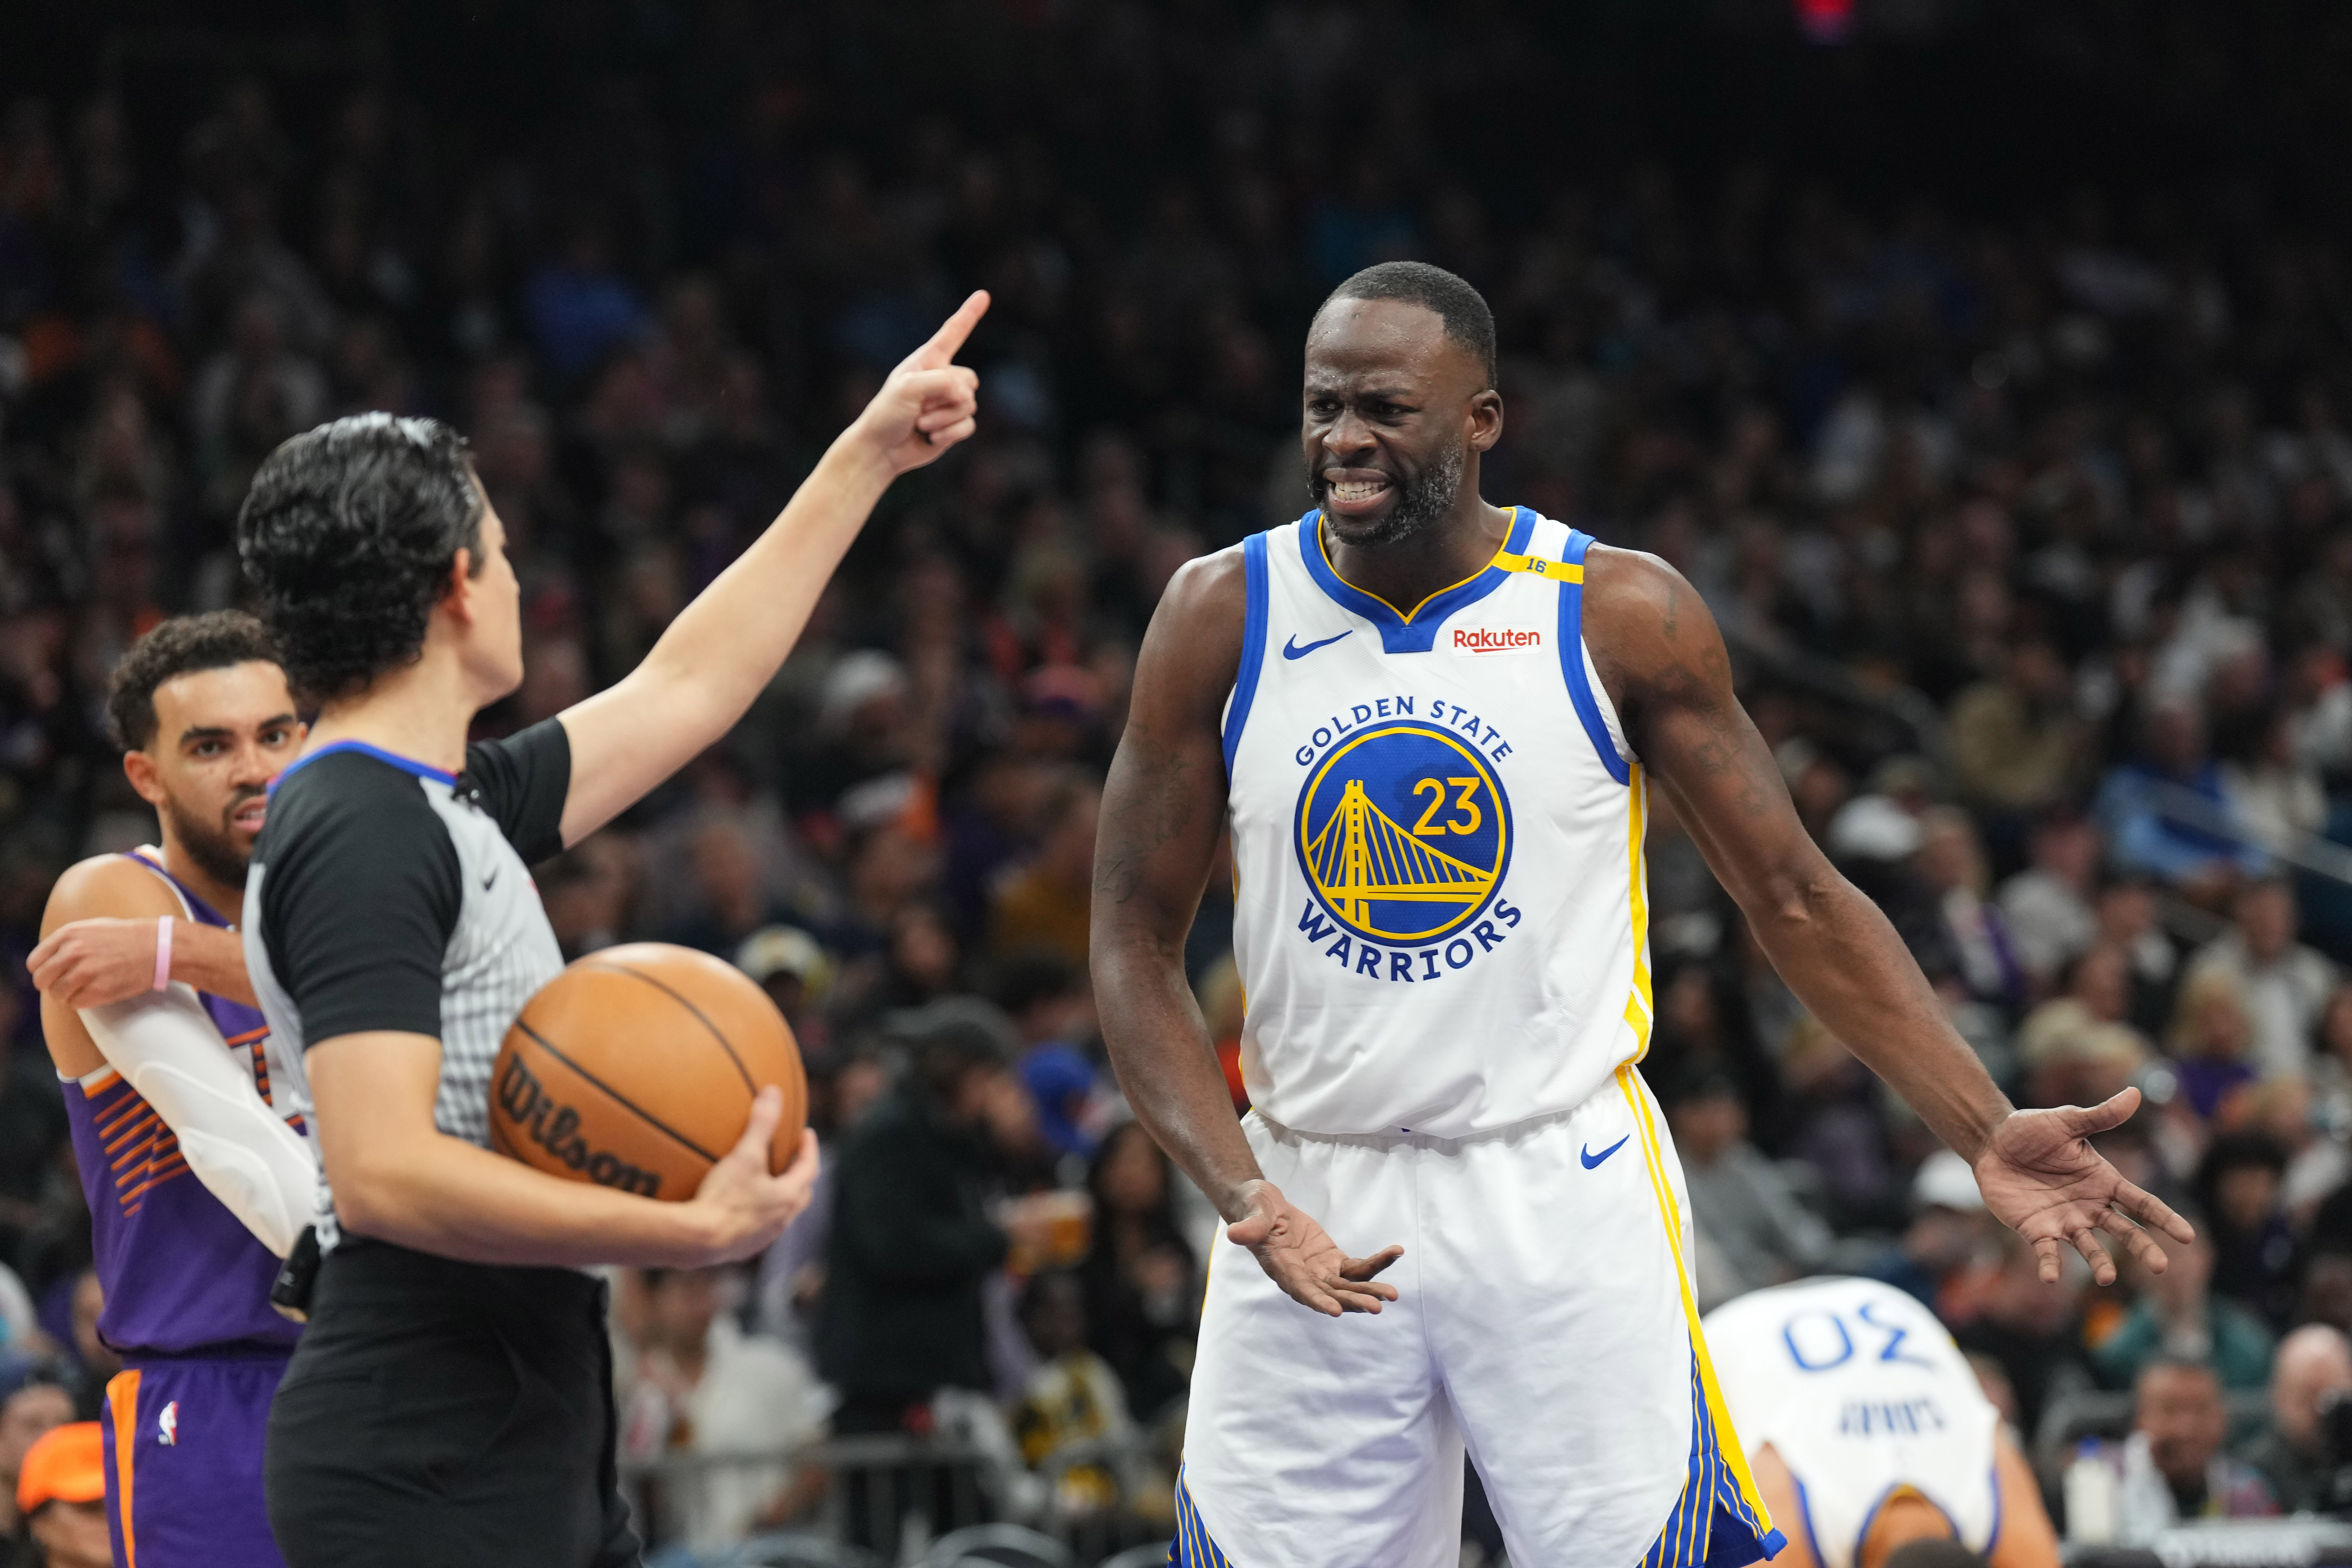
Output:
(1986, 365)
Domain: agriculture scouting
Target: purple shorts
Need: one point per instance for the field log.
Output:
(184, 1439)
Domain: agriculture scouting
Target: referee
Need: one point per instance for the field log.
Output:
(450, 1403)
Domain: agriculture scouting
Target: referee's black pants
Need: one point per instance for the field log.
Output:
(439, 1413)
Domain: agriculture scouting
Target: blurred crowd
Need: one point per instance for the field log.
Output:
(2034, 538)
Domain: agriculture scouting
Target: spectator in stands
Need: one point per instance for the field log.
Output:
(2016, 741)
(2126, 912)
(1046, 903)
(2028, 1328)
(1142, 1280)
(2173, 1466)
(2283, 984)
(2177, 1315)
(2314, 1370)
(2047, 906)
(1073, 1403)
(2135, 808)
(61, 1493)
(2238, 1185)
(689, 1381)
(1052, 1006)
(2210, 1041)
(1950, 1229)
(911, 1243)
(33, 1402)
(1758, 1232)
(1950, 864)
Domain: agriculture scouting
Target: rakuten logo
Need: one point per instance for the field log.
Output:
(1494, 640)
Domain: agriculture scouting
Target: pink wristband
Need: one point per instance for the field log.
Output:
(163, 953)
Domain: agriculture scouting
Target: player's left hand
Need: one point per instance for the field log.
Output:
(2042, 1178)
(93, 962)
(929, 404)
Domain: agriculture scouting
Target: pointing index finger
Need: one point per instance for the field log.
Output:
(945, 343)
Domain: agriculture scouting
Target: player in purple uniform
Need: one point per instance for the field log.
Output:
(196, 1187)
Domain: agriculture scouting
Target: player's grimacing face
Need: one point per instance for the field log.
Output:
(221, 735)
(1391, 410)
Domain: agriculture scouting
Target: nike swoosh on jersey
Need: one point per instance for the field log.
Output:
(1591, 1159)
(1290, 649)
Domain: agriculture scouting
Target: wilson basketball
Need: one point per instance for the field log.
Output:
(635, 1068)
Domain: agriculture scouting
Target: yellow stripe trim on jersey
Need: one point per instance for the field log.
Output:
(1670, 1212)
(1559, 571)
(1641, 1006)
(1541, 566)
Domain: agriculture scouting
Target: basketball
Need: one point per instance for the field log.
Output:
(635, 1068)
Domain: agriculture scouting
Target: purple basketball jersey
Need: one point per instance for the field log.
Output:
(182, 1273)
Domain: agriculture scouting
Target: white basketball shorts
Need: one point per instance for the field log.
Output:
(1545, 1324)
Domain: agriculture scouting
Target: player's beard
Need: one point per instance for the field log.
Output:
(213, 845)
(1421, 501)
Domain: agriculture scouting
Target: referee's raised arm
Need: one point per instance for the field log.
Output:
(725, 646)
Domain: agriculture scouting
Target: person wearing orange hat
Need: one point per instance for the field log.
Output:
(61, 1496)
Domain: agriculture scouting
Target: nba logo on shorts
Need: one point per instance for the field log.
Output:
(1403, 832)
(167, 1426)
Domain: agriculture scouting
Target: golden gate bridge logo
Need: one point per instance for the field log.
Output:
(1403, 832)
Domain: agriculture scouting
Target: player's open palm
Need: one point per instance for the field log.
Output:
(2042, 1178)
(745, 1207)
(1300, 1257)
(929, 403)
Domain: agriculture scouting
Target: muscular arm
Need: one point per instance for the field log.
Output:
(1663, 660)
(724, 648)
(166, 1047)
(397, 1177)
(1163, 808)
(91, 961)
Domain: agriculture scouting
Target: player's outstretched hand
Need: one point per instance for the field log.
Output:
(1298, 1256)
(929, 402)
(744, 1208)
(94, 963)
(2042, 1178)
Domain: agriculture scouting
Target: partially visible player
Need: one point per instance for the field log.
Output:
(196, 1187)
(1867, 1431)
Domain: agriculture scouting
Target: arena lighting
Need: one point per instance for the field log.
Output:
(1825, 21)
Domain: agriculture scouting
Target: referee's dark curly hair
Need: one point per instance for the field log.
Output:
(348, 533)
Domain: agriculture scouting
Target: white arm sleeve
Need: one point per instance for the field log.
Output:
(167, 1048)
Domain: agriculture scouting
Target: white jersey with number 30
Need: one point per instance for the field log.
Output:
(1862, 1395)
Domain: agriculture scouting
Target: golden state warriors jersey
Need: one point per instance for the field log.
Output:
(1437, 831)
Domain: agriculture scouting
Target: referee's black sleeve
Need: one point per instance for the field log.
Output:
(359, 898)
(522, 782)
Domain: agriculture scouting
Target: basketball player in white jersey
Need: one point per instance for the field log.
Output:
(1866, 1429)
(1431, 723)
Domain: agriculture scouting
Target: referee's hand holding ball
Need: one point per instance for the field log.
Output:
(744, 1208)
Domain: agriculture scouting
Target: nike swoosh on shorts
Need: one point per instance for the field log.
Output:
(1591, 1159)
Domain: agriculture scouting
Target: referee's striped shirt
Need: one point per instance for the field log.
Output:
(388, 895)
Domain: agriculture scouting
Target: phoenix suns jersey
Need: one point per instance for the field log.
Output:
(1437, 833)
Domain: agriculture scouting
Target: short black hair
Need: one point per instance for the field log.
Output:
(1463, 309)
(348, 533)
(178, 646)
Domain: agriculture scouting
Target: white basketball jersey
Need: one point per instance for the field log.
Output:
(1437, 829)
(1862, 1393)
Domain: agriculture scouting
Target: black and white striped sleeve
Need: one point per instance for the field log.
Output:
(359, 900)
